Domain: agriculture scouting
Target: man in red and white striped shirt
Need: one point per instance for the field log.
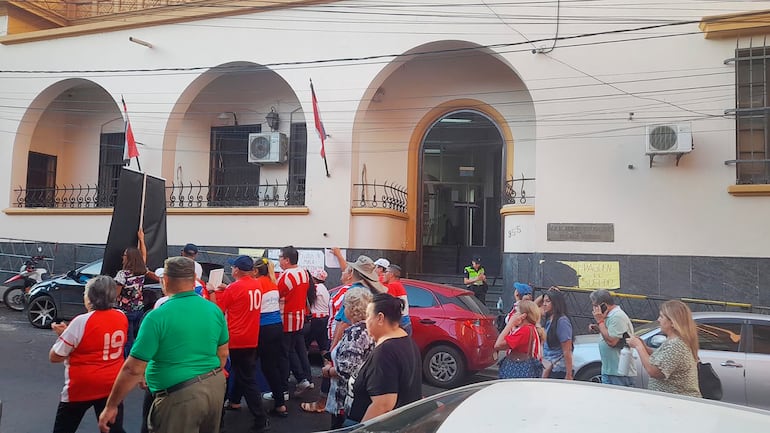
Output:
(293, 285)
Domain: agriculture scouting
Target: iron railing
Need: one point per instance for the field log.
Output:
(178, 195)
(379, 195)
(516, 190)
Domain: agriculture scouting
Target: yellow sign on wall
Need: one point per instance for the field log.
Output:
(596, 275)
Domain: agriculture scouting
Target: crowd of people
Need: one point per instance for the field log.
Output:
(199, 349)
(538, 339)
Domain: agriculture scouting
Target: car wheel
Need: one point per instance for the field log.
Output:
(444, 366)
(591, 373)
(41, 312)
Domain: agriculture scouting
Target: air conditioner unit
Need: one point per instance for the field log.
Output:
(268, 148)
(668, 138)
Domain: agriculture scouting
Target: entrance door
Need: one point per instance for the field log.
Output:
(461, 192)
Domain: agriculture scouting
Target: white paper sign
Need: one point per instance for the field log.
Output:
(215, 278)
(331, 259)
(311, 259)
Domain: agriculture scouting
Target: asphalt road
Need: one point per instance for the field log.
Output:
(30, 387)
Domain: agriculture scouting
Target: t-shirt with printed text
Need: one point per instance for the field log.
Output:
(93, 344)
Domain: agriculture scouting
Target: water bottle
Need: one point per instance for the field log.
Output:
(500, 304)
(626, 358)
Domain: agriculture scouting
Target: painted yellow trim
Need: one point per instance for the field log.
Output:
(749, 190)
(734, 25)
(56, 211)
(517, 209)
(358, 211)
(156, 16)
(169, 211)
(415, 141)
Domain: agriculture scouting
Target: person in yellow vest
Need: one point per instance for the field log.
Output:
(475, 279)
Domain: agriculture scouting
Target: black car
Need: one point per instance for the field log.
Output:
(61, 298)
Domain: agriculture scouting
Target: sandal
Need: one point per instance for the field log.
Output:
(312, 407)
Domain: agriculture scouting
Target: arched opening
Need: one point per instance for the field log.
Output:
(461, 172)
(69, 148)
(217, 130)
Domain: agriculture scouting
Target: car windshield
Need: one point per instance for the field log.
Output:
(91, 269)
(646, 327)
(466, 302)
(426, 416)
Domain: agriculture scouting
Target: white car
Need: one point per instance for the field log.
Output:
(736, 344)
(558, 406)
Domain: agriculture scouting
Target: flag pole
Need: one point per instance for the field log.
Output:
(144, 196)
(319, 126)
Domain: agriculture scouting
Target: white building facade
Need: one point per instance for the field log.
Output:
(514, 131)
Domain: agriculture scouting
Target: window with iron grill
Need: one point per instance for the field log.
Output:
(751, 116)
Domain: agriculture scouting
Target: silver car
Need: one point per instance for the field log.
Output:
(736, 344)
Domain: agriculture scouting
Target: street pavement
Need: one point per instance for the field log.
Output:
(30, 387)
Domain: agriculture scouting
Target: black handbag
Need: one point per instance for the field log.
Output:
(708, 382)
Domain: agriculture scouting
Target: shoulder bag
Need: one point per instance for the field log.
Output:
(708, 382)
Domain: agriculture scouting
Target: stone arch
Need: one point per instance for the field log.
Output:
(425, 83)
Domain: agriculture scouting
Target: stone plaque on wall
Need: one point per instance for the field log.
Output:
(581, 232)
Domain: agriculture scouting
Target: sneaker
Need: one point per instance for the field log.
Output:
(269, 396)
(302, 387)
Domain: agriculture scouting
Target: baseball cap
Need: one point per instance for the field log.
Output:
(382, 262)
(190, 249)
(319, 274)
(476, 259)
(244, 263)
(523, 289)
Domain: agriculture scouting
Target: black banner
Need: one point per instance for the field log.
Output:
(126, 217)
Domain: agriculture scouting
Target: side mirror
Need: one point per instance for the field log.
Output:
(656, 340)
(72, 275)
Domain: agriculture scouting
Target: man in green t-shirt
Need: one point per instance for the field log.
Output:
(611, 323)
(180, 359)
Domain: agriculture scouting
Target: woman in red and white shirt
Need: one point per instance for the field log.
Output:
(521, 338)
(91, 347)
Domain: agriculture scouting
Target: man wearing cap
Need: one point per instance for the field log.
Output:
(381, 267)
(392, 280)
(293, 285)
(475, 279)
(241, 301)
(191, 251)
(180, 360)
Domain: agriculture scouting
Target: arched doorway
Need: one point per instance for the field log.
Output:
(461, 183)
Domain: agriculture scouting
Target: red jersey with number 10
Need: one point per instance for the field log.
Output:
(241, 302)
(93, 344)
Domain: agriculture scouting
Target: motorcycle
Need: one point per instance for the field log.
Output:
(29, 275)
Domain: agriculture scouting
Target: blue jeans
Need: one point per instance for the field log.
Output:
(618, 380)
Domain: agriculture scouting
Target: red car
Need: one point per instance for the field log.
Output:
(455, 332)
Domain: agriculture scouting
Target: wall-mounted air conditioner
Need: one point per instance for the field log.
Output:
(268, 148)
(668, 138)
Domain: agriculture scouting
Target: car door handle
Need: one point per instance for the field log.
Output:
(428, 321)
(731, 364)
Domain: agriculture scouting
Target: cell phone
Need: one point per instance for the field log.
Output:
(603, 307)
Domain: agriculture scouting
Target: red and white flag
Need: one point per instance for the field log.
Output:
(129, 149)
(319, 126)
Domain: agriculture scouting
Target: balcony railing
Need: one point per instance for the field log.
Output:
(375, 195)
(516, 190)
(178, 195)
